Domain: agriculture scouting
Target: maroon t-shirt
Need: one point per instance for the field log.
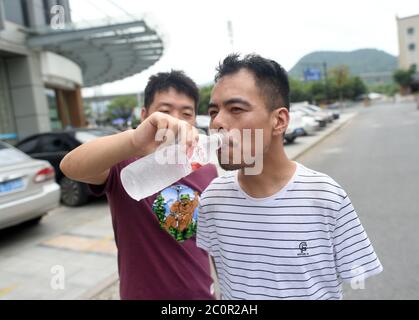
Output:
(155, 237)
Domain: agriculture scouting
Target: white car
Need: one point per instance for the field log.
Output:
(319, 117)
(295, 127)
(309, 123)
(326, 112)
(27, 187)
(202, 123)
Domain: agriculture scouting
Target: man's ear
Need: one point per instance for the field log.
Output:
(144, 113)
(280, 118)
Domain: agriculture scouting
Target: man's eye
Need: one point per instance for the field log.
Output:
(165, 111)
(236, 110)
(187, 115)
(212, 114)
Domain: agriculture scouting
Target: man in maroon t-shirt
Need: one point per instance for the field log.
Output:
(157, 259)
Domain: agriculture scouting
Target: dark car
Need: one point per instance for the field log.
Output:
(53, 146)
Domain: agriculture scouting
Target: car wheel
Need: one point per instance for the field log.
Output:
(290, 140)
(73, 193)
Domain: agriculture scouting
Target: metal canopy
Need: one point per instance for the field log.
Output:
(105, 51)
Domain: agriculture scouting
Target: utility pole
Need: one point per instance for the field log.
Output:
(326, 84)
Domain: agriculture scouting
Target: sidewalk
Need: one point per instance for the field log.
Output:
(109, 290)
(61, 267)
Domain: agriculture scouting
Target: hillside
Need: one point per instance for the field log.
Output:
(360, 62)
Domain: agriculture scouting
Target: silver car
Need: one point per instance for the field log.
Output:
(27, 187)
(203, 123)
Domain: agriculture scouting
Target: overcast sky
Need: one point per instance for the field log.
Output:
(197, 35)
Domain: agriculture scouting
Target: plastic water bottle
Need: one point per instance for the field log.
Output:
(150, 174)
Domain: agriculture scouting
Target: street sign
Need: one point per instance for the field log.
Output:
(312, 74)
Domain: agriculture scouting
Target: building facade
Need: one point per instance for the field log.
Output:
(408, 32)
(33, 81)
(45, 60)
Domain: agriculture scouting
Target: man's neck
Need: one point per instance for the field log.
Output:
(276, 172)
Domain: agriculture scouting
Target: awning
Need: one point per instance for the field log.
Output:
(105, 51)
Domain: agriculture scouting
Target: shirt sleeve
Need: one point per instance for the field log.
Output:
(202, 233)
(355, 257)
(99, 190)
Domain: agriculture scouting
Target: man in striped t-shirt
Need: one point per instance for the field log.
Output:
(287, 232)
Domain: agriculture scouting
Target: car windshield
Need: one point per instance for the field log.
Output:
(314, 108)
(10, 155)
(306, 110)
(88, 135)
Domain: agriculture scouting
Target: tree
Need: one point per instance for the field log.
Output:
(404, 78)
(340, 76)
(389, 89)
(317, 91)
(204, 99)
(338, 87)
(191, 230)
(88, 112)
(354, 88)
(298, 91)
(159, 209)
(121, 107)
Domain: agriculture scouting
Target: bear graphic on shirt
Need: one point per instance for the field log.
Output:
(176, 208)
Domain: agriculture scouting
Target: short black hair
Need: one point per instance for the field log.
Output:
(270, 77)
(175, 79)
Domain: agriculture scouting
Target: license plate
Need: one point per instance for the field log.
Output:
(11, 185)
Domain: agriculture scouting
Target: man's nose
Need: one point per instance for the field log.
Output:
(219, 122)
(175, 113)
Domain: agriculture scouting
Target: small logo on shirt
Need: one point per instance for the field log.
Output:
(303, 249)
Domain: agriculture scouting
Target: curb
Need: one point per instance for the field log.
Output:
(321, 138)
(109, 281)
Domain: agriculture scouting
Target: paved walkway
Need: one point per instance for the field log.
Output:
(65, 266)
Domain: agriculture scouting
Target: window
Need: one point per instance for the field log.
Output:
(412, 47)
(53, 109)
(29, 146)
(7, 122)
(54, 143)
(15, 11)
(410, 31)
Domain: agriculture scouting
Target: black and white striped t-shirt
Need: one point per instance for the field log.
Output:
(300, 243)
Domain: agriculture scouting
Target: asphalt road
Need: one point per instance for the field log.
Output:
(375, 157)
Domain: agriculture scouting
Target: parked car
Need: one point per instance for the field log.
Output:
(295, 127)
(334, 109)
(202, 122)
(53, 146)
(27, 187)
(309, 123)
(321, 118)
(318, 109)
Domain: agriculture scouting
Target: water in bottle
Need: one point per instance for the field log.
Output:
(156, 171)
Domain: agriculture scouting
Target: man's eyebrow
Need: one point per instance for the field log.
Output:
(165, 104)
(237, 100)
(188, 107)
(212, 105)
